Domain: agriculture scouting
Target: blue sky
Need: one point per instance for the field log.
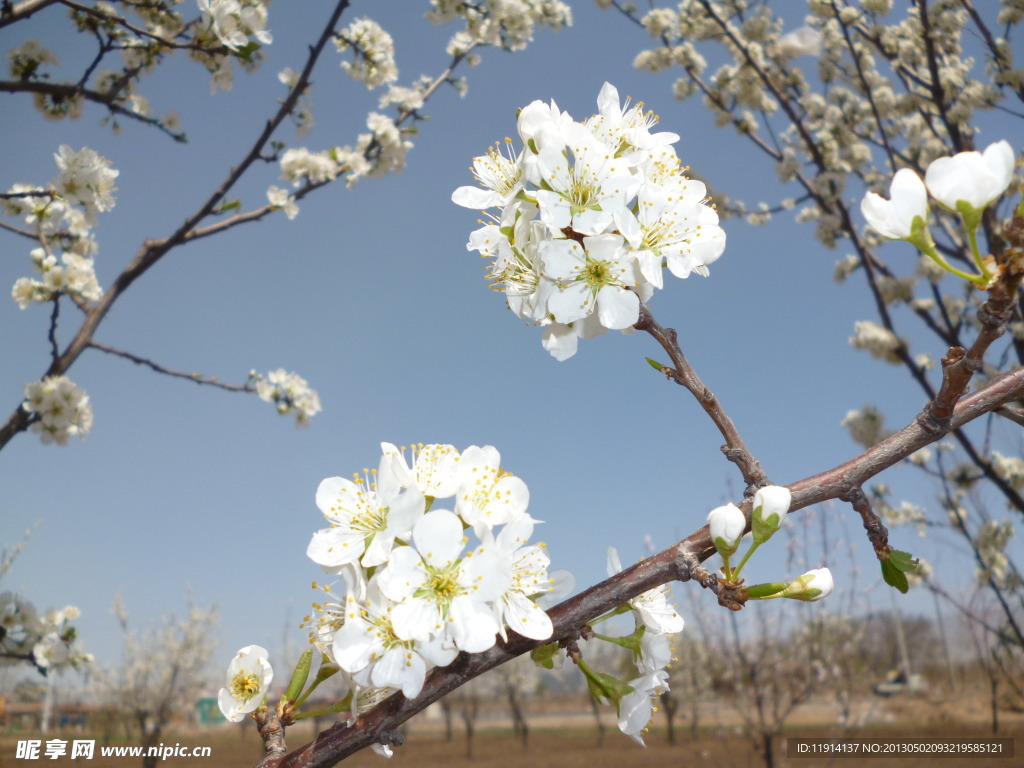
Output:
(370, 295)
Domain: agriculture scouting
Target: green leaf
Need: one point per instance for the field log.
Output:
(299, 676)
(904, 561)
(654, 364)
(245, 52)
(230, 206)
(759, 591)
(894, 577)
(544, 655)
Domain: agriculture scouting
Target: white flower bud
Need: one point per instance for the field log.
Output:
(727, 525)
(771, 504)
(814, 585)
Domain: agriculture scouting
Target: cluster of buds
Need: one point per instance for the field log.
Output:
(727, 525)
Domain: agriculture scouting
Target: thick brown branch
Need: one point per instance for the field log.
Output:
(679, 562)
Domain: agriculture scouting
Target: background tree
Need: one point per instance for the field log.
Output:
(162, 670)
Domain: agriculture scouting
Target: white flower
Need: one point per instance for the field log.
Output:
(894, 218)
(280, 198)
(365, 520)
(248, 680)
(488, 496)
(586, 194)
(435, 468)
(528, 564)
(878, 340)
(290, 392)
(233, 21)
(299, 163)
(805, 41)
(597, 275)
(622, 128)
(973, 178)
(440, 592)
(374, 62)
(60, 409)
(651, 608)
(636, 708)
(501, 175)
(673, 226)
(368, 648)
(85, 178)
(727, 524)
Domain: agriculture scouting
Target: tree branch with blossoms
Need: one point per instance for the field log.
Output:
(590, 215)
(226, 29)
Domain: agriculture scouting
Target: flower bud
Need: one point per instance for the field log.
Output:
(771, 504)
(727, 525)
(814, 585)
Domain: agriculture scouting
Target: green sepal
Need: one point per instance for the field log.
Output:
(299, 676)
(326, 670)
(604, 687)
(970, 215)
(723, 547)
(632, 642)
(338, 706)
(655, 364)
(544, 655)
(761, 591)
(903, 560)
(246, 52)
(894, 577)
(761, 528)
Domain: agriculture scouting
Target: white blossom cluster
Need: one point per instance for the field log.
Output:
(229, 24)
(47, 640)
(1010, 469)
(289, 392)
(878, 340)
(377, 153)
(866, 426)
(72, 276)
(589, 214)
(374, 62)
(654, 619)
(417, 590)
(507, 24)
(233, 22)
(60, 409)
(62, 216)
(990, 543)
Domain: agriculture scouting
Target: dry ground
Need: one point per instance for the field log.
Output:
(570, 741)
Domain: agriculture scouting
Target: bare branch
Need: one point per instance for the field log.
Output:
(197, 378)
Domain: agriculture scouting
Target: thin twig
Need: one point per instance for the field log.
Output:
(684, 374)
(197, 378)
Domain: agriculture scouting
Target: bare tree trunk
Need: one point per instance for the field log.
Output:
(446, 708)
(766, 746)
(470, 709)
(995, 703)
(597, 719)
(519, 727)
(670, 704)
